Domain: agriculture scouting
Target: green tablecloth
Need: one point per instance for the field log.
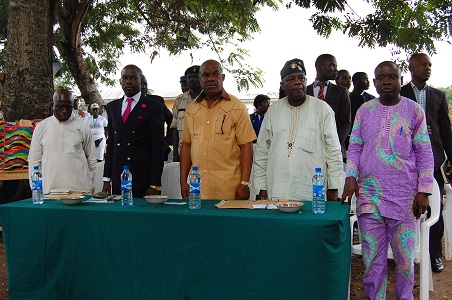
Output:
(107, 251)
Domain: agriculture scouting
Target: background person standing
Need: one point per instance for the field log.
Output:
(336, 96)
(180, 105)
(434, 103)
(98, 125)
(261, 103)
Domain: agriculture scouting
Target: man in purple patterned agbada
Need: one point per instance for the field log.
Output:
(390, 170)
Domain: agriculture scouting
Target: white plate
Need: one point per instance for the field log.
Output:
(289, 207)
(156, 199)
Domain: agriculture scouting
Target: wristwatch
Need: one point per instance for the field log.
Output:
(155, 187)
(248, 184)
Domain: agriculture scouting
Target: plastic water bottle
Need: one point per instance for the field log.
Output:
(194, 179)
(126, 187)
(318, 192)
(36, 184)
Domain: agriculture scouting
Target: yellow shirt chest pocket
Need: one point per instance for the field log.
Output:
(224, 124)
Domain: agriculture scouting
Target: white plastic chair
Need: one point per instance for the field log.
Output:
(422, 254)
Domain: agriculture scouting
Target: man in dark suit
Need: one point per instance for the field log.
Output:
(336, 96)
(167, 116)
(434, 103)
(135, 138)
(360, 85)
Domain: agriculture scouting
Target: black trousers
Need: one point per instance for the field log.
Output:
(437, 230)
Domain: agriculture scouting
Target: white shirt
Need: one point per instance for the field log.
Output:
(135, 98)
(316, 88)
(287, 174)
(64, 151)
(97, 126)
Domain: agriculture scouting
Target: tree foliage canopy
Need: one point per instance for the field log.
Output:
(107, 27)
(409, 26)
(176, 26)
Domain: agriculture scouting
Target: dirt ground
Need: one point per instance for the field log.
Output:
(441, 281)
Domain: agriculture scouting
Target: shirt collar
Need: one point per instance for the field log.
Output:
(67, 121)
(316, 82)
(135, 97)
(202, 96)
(420, 90)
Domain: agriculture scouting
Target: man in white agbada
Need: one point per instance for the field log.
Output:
(298, 134)
(63, 148)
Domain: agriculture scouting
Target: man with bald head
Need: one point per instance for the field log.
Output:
(434, 103)
(217, 138)
(390, 170)
(63, 148)
(336, 96)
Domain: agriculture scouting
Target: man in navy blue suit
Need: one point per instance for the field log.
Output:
(135, 137)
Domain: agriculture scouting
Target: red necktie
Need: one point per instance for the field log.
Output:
(126, 113)
(321, 95)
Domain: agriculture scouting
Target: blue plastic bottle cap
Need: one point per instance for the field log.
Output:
(318, 170)
(195, 168)
(126, 167)
(36, 168)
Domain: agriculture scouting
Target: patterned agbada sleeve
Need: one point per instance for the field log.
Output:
(355, 146)
(423, 153)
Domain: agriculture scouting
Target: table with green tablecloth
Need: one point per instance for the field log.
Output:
(148, 251)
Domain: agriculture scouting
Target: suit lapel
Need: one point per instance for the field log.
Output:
(429, 102)
(134, 114)
(409, 92)
(117, 114)
(330, 93)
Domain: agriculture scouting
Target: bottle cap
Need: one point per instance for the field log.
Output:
(318, 170)
(126, 167)
(36, 168)
(195, 168)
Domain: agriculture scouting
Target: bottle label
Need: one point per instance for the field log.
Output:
(126, 185)
(195, 187)
(36, 185)
(318, 191)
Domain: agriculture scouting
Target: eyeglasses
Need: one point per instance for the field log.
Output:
(292, 79)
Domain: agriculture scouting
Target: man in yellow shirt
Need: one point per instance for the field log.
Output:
(217, 138)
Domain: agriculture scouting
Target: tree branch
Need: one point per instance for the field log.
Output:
(77, 24)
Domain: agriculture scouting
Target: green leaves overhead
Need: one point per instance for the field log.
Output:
(410, 26)
(175, 25)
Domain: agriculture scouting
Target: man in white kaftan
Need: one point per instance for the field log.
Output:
(298, 134)
(63, 148)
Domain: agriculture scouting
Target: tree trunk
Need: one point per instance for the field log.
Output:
(28, 86)
(79, 70)
(71, 51)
